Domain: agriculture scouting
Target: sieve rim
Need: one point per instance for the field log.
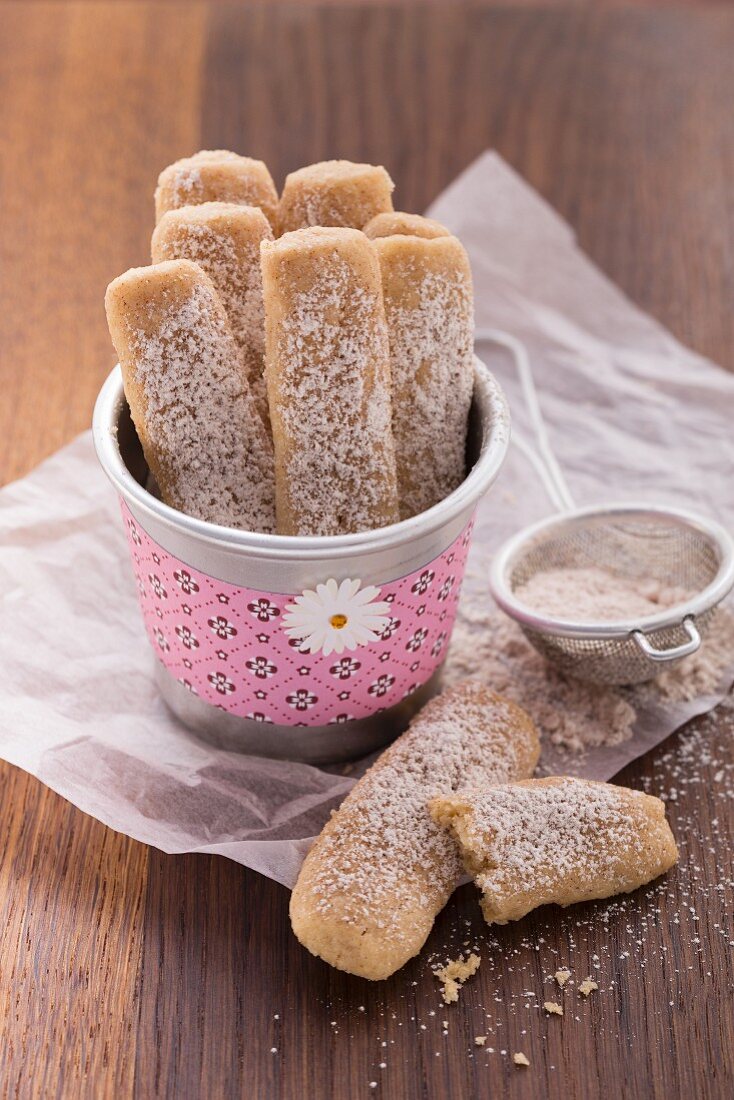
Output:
(673, 616)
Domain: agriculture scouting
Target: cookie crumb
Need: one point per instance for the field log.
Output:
(587, 987)
(519, 1059)
(562, 976)
(454, 974)
(480, 1040)
(552, 1008)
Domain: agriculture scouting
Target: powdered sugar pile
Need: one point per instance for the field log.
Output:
(700, 674)
(202, 421)
(596, 595)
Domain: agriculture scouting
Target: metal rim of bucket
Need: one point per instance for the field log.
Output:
(496, 436)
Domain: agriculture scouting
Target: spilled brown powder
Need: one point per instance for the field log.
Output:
(572, 715)
(486, 644)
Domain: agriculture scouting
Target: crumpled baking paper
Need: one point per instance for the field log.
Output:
(631, 415)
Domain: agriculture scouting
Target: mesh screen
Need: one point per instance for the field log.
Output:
(671, 552)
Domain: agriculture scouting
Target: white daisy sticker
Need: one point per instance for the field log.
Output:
(336, 617)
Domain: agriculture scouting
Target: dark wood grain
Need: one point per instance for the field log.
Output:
(127, 973)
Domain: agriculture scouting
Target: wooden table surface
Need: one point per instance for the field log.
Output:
(125, 972)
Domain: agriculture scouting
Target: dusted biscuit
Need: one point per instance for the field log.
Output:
(558, 840)
(381, 870)
(216, 175)
(334, 192)
(427, 288)
(224, 239)
(189, 397)
(398, 223)
(328, 379)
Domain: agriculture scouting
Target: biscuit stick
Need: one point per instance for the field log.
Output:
(334, 192)
(188, 394)
(398, 223)
(559, 840)
(381, 870)
(427, 290)
(328, 378)
(216, 176)
(224, 239)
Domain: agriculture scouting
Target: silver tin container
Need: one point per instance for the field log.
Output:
(265, 571)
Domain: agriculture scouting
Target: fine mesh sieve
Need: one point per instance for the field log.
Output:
(637, 542)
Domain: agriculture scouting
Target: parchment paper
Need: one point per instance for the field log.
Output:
(631, 414)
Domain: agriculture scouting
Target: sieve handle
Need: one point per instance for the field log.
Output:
(662, 655)
(552, 475)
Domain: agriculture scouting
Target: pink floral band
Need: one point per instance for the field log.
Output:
(330, 654)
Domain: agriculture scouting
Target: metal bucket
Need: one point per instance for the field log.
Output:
(217, 603)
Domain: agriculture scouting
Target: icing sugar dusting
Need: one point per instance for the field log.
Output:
(233, 264)
(216, 175)
(431, 357)
(201, 416)
(186, 183)
(328, 382)
(382, 855)
(557, 840)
